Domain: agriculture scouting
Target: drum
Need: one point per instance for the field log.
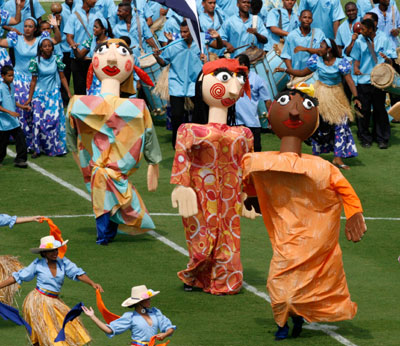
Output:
(383, 76)
(156, 105)
(276, 81)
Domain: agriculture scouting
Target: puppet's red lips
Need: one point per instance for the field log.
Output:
(228, 102)
(293, 124)
(111, 70)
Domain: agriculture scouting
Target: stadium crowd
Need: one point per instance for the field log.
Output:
(318, 42)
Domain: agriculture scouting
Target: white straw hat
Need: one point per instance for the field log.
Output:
(139, 293)
(48, 244)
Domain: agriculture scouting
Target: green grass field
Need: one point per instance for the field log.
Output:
(371, 266)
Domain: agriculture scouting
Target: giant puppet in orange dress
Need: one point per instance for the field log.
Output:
(208, 176)
(301, 198)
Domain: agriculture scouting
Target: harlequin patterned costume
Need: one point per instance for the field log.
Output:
(207, 159)
(113, 136)
(301, 199)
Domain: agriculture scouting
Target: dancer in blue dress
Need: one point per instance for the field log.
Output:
(101, 33)
(334, 134)
(25, 48)
(144, 322)
(48, 135)
(6, 19)
(43, 309)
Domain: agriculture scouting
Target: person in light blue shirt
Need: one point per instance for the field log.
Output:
(365, 6)
(270, 4)
(143, 9)
(45, 99)
(295, 50)
(68, 7)
(40, 304)
(228, 7)
(280, 22)
(77, 32)
(237, 30)
(127, 25)
(144, 322)
(211, 17)
(185, 59)
(171, 28)
(10, 221)
(246, 108)
(345, 31)
(26, 12)
(103, 8)
(364, 55)
(345, 34)
(157, 9)
(9, 124)
(388, 21)
(327, 15)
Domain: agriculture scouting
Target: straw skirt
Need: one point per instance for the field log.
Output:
(8, 265)
(333, 104)
(46, 316)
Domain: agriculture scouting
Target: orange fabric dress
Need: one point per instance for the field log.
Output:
(207, 159)
(301, 199)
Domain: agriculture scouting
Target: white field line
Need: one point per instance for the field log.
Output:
(314, 326)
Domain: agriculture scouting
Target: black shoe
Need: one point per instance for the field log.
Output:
(21, 164)
(297, 326)
(394, 121)
(366, 145)
(383, 145)
(35, 155)
(187, 288)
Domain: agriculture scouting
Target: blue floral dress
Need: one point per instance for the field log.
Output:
(4, 57)
(336, 138)
(22, 79)
(47, 106)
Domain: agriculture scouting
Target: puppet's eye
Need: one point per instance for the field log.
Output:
(223, 76)
(122, 50)
(308, 104)
(284, 100)
(102, 49)
(241, 78)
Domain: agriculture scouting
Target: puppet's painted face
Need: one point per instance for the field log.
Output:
(112, 60)
(294, 116)
(222, 88)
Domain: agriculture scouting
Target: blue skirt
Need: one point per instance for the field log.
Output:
(334, 138)
(22, 83)
(48, 135)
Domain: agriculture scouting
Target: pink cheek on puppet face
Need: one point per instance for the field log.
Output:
(95, 62)
(128, 66)
(217, 91)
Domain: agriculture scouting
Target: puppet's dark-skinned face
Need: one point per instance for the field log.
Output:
(293, 116)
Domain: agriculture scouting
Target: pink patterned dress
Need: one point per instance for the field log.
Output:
(207, 159)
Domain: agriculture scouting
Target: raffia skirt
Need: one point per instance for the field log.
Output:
(8, 265)
(333, 104)
(46, 315)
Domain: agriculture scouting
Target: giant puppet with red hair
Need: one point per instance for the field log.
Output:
(208, 179)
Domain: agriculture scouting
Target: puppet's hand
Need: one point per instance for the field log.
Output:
(184, 198)
(152, 177)
(355, 227)
(250, 214)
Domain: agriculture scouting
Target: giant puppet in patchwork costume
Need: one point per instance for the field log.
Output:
(111, 135)
(208, 179)
(301, 198)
